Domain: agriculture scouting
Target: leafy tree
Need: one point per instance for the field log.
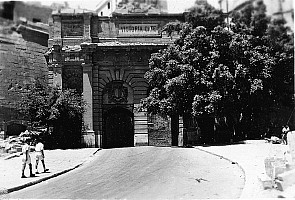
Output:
(259, 20)
(34, 104)
(51, 107)
(66, 117)
(203, 14)
(215, 74)
(251, 20)
(242, 19)
(237, 77)
(275, 39)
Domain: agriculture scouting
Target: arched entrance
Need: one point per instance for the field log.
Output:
(15, 127)
(118, 128)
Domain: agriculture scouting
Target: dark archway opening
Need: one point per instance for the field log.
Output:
(118, 128)
(14, 129)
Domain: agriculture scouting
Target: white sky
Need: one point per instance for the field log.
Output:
(174, 6)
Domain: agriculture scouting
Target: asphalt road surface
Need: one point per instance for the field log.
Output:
(144, 173)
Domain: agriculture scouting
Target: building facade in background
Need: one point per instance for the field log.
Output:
(103, 53)
(106, 58)
(274, 8)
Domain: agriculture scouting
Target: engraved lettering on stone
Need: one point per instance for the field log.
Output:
(138, 29)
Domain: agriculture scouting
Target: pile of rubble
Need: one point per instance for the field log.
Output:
(13, 144)
(280, 168)
(274, 140)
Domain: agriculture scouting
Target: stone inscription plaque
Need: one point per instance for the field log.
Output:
(138, 30)
(72, 27)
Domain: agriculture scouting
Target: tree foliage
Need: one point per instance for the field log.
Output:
(35, 103)
(203, 14)
(235, 76)
(51, 107)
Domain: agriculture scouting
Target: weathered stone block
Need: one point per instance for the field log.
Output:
(88, 139)
(286, 179)
(279, 170)
(269, 167)
(18, 149)
(140, 139)
(266, 181)
(12, 151)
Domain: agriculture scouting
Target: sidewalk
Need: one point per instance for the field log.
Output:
(57, 161)
(250, 157)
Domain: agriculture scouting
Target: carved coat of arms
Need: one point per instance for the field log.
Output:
(117, 93)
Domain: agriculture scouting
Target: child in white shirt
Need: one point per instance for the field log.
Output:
(40, 155)
(26, 159)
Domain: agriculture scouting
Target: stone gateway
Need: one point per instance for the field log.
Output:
(106, 58)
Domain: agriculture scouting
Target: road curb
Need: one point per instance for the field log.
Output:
(13, 189)
(233, 162)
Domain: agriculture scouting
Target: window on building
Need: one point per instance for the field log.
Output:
(109, 5)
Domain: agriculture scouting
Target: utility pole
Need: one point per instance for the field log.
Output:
(281, 9)
(220, 4)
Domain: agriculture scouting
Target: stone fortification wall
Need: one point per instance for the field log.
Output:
(21, 62)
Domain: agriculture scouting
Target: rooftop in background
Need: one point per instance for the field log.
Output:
(173, 6)
(275, 8)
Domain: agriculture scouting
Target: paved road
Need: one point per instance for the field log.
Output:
(145, 173)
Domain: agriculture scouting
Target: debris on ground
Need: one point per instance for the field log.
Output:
(274, 140)
(13, 144)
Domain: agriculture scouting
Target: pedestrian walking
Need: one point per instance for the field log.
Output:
(40, 155)
(285, 131)
(26, 159)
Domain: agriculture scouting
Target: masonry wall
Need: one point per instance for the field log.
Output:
(21, 62)
(125, 65)
(108, 57)
(104, 29)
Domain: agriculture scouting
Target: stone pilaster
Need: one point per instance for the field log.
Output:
(56, 75)
(98, 140)
(87, 23)
(88, 137)
(56, 38)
